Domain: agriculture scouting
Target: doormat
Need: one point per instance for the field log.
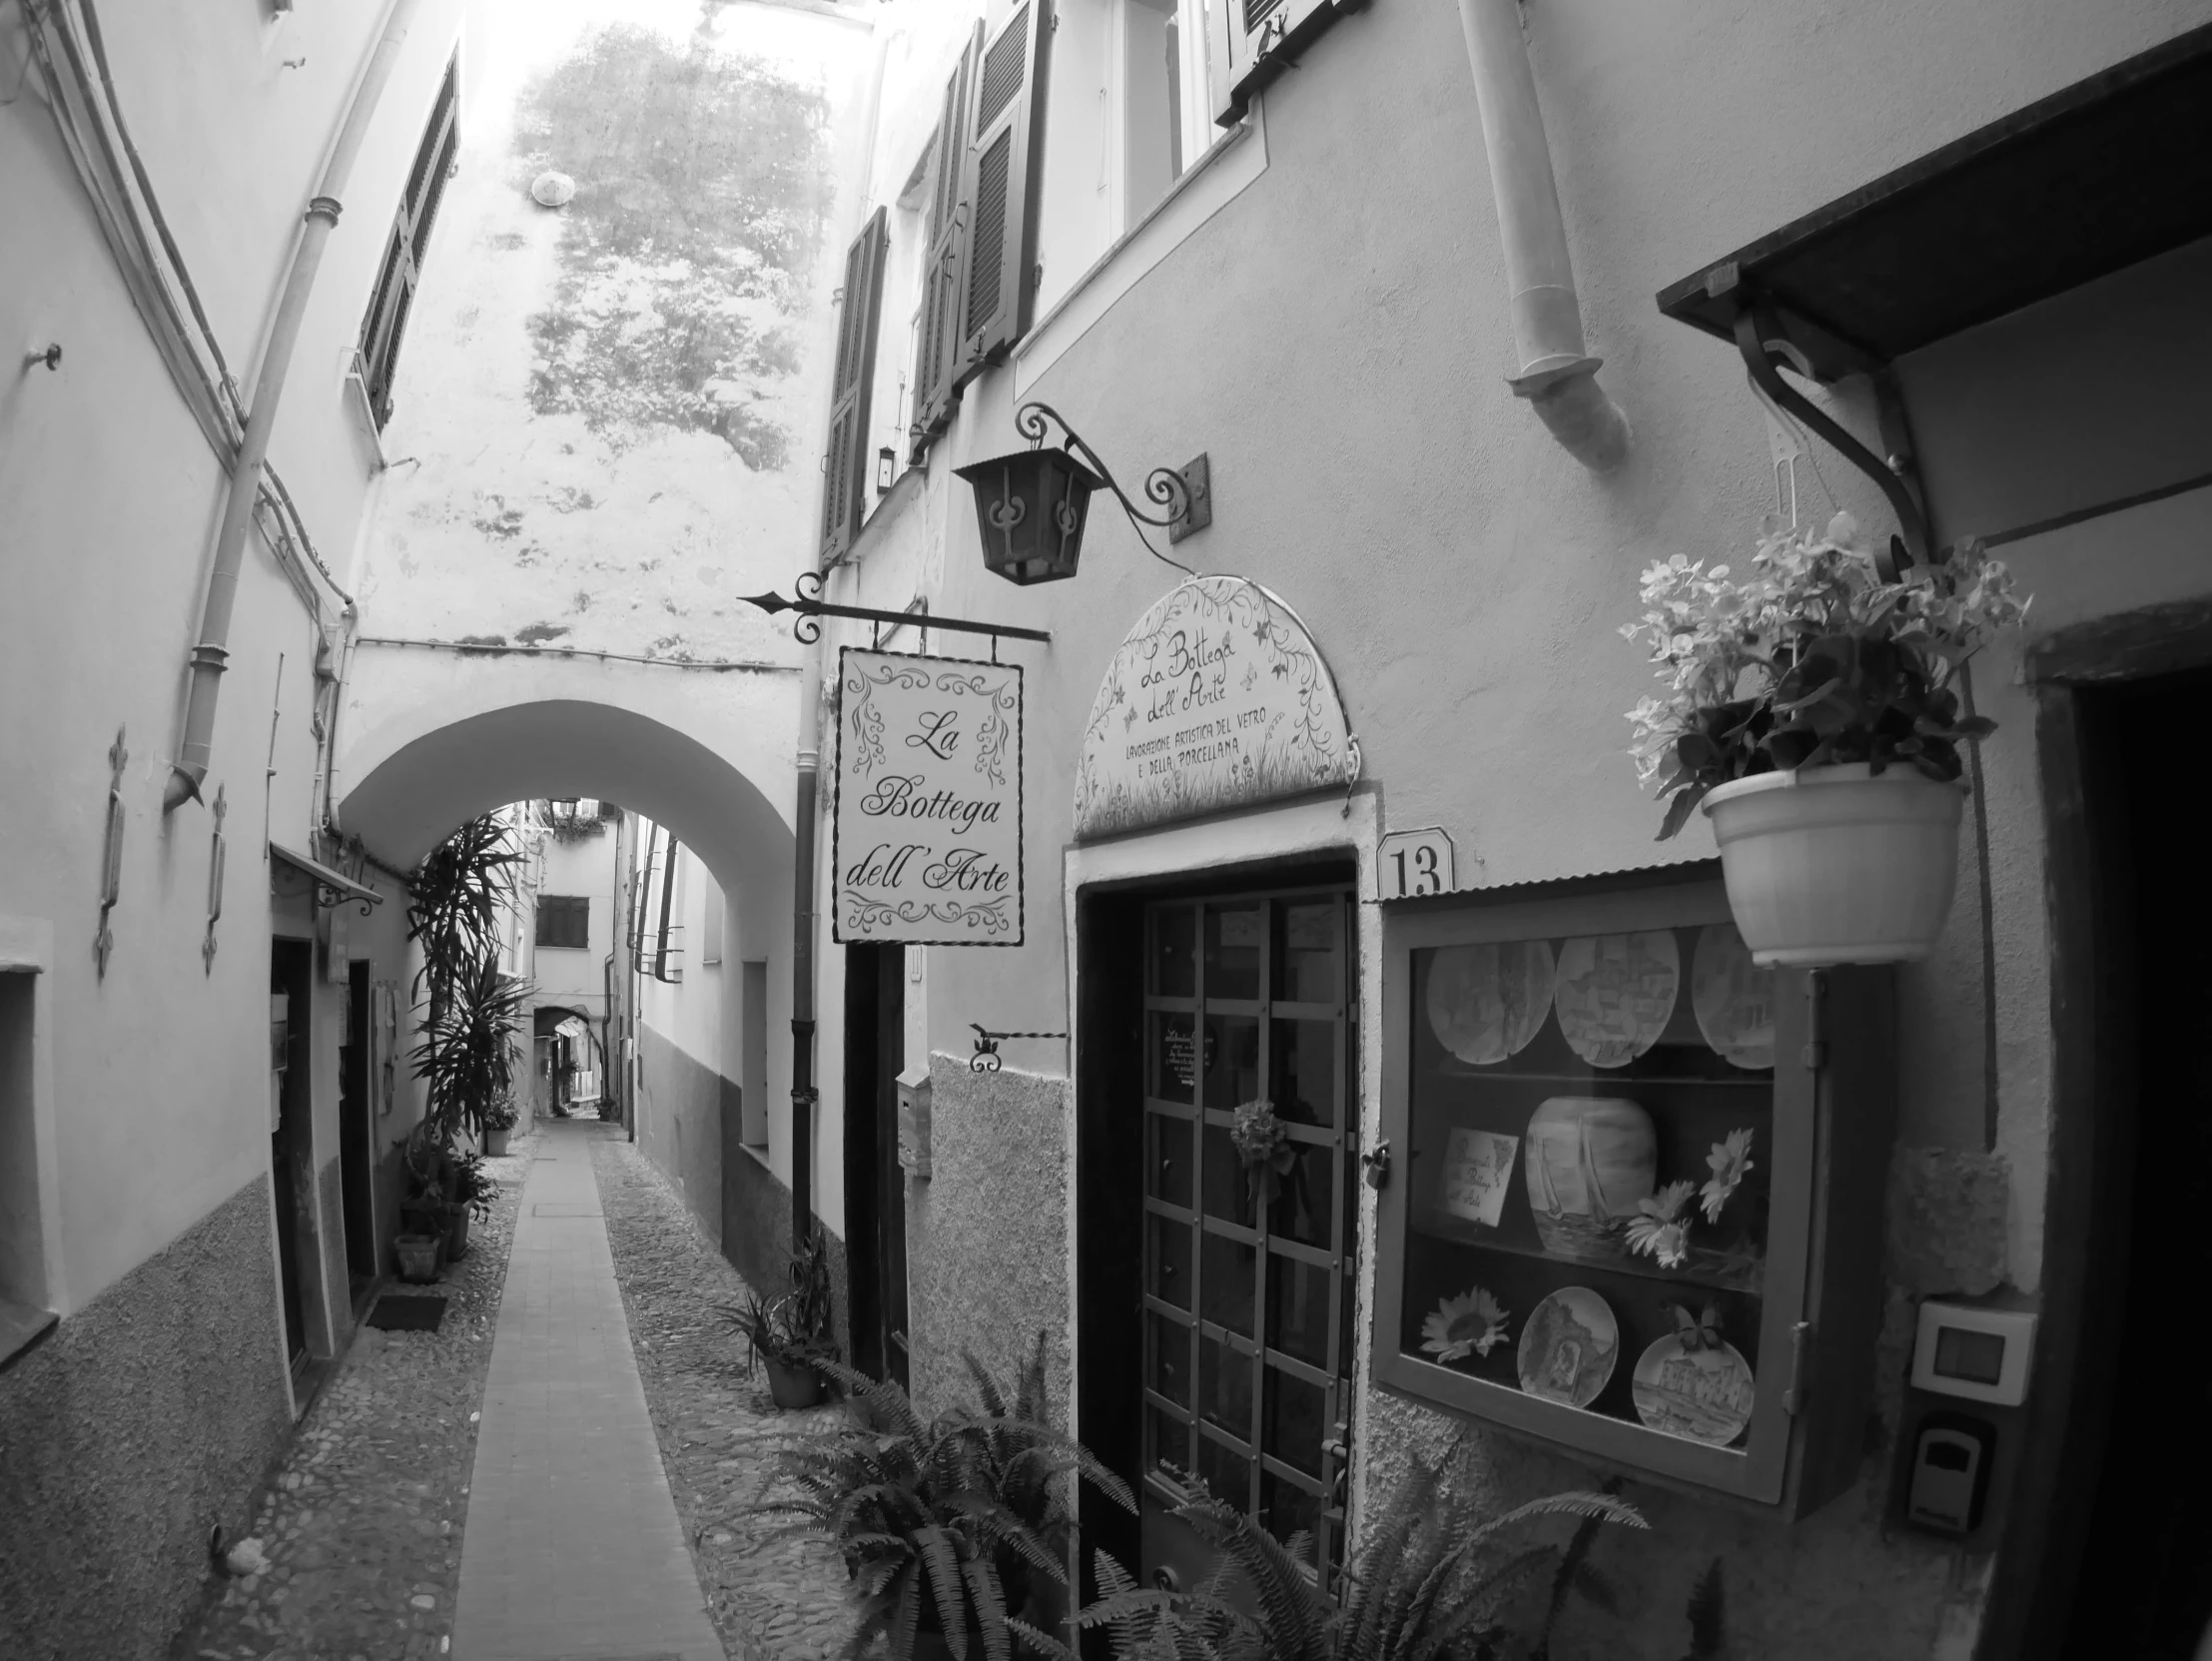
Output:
(407, 1313)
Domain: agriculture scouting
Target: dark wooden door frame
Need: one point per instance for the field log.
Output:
(2032, 1583)
(1109, 1169)
(875, 1185)
(356, 1130)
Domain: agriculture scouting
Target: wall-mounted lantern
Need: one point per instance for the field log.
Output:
(1032, 505)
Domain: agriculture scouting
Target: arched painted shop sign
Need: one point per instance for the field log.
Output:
(1217, 700)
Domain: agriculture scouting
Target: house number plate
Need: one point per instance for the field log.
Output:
(1409, 864)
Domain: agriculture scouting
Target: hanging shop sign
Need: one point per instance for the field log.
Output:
(1217, 700)
(926, 831)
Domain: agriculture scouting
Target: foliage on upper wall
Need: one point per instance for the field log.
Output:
(703, 185)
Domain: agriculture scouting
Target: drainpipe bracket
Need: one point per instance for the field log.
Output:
(1547, 372)
(325, 208)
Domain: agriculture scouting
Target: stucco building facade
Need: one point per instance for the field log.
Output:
(695, 301)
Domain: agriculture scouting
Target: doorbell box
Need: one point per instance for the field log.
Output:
(1973, 1353)
(1950, 1473)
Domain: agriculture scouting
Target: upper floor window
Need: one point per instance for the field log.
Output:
(564, 921)
(387, 322)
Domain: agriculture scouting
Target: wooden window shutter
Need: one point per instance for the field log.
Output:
(944, 236)
(1256, 39)
(386, 324)
(845, 464)
(1005, 152)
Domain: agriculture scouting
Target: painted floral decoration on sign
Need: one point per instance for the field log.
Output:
(928, 820)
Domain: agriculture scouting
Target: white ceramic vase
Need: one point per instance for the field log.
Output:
(1830, 865)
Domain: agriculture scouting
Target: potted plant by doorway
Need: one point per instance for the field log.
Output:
(499, 1122)
(1814, 709)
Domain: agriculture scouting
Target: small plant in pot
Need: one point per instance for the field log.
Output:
(1814, 710)
(791, 1336)
(957, 1531)
(499, 1121)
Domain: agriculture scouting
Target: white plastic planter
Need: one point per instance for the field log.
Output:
(1830, 865)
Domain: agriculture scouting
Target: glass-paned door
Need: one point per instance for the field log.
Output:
(1247, 1329)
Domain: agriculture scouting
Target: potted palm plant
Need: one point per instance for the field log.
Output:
(1814, 710)
(956, 1531)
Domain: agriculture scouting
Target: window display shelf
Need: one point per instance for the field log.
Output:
(1636, 1207)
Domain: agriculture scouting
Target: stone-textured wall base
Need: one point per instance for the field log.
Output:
(147, 1418)
(679, 1124)
(987, 1233)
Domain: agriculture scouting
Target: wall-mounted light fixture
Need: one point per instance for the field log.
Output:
(886, 469)
(1030, 505)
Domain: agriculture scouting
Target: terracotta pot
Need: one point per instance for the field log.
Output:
(457, 1233)
(1832, 865)
(419, 1255)
(1589, 1160)
(496, 1142)
(792, 1384)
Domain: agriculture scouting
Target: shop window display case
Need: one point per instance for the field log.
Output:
(1634, 1208)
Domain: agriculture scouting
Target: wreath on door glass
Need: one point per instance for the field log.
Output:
(1268, 1155)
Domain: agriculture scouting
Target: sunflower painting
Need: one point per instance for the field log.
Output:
(1473, 1324)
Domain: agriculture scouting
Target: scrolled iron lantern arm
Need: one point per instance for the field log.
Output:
(1163, 486)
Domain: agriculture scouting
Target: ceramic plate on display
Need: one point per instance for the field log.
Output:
(1617, 994)
(1703, 1394)
(1569, 1346)
(1733, 998)
(1487, 1002)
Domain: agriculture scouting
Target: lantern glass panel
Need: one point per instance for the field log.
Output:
(1030, 507)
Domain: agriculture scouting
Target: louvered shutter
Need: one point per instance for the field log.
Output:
(386, 322)
(845, 463)
(945, 234)
(1005, 152)
(1258, 39)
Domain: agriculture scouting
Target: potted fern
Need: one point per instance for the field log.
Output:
(1813, 710)
(956, 1530)
(1430, 1583)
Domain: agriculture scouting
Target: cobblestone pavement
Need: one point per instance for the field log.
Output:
(716, 1427)
(361, 1522)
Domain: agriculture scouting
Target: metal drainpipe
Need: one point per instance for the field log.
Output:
(211, 654)
(1558, 375)
(803, 1092)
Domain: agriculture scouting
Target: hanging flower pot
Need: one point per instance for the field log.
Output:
(1815, 709)
(1829, 865)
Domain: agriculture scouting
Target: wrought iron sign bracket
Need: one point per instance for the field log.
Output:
(812, 608)
(1755, 328)
(986, 1058)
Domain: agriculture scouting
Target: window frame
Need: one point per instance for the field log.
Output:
(576, 908)
(406, 244)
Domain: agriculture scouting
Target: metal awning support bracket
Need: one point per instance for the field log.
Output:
(1755, 330)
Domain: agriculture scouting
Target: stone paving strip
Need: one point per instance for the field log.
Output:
(362, 1521)
(716, 1427)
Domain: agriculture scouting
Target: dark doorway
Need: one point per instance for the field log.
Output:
(357, 1153)
(875, 1183)
(2143, 1588)
(1214, 1313)
(291, 1159)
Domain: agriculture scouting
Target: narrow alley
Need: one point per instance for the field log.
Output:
(1103, 830)
(502, 1488)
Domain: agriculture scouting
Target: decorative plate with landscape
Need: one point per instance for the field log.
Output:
(1569, 1347)
(1705, 1394)
(1733, 998)
(1616, 994)
(1486, 1003)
